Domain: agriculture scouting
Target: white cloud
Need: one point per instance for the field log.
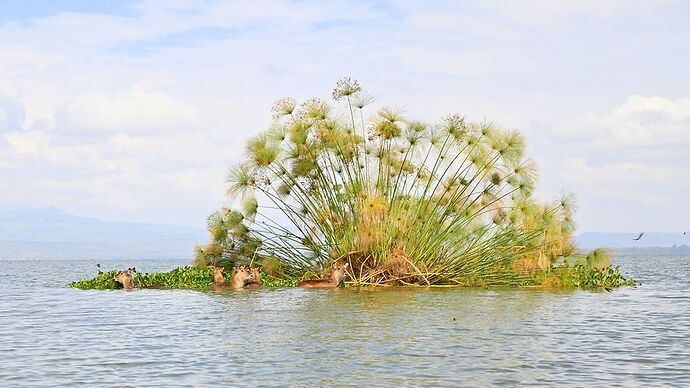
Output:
(622, 180)
(548, 11)
(650, 121)
(627, 196)
(123, 178)
(27, 143)
(12, 114)
(18, 61)
(629, 163)
(639, 122)
(137, 110)
(463, 62)
(130, 116)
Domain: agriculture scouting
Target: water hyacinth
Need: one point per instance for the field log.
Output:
(191, 278)
(402, 201)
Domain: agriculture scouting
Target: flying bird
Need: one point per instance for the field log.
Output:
(639, 237)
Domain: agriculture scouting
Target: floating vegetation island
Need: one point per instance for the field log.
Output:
(402, 202)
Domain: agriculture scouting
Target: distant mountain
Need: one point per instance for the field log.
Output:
(51, 234)
(657, 251)
(625, 240)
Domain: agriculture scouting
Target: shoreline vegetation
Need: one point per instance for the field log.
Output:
(398, 202)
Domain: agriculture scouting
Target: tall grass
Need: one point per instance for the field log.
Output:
(403, 201)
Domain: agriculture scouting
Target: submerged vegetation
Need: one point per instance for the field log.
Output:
(402, 201)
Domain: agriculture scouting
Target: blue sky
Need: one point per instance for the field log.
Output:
(22, 11)
(134, 110)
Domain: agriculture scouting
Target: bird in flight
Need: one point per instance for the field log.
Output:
(639, 237)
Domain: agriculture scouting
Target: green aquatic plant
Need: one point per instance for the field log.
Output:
(181, 277)
(583, 276)
(599, 259)
(404, 202)
(104, 280)
(195, 278)
(270, 281)
(187, 277)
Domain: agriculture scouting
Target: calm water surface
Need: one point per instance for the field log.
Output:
(53, 335)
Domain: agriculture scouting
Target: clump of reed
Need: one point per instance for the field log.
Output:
(403, 201)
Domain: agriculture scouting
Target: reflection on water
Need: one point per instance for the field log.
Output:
(50, 334)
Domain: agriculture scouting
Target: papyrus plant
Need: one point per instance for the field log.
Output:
(403, 201)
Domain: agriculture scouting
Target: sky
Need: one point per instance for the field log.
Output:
(136, 110)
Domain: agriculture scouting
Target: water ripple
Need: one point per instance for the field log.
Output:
(53, 335)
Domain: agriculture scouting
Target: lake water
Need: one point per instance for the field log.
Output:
(54, 335)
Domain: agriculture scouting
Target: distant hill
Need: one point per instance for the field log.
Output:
(52, 234)
(675, 250)
(625, 240)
